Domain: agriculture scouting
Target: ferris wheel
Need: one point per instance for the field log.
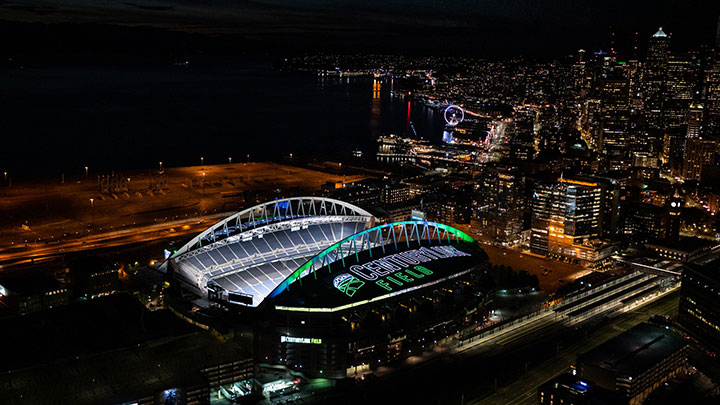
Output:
(454, 115)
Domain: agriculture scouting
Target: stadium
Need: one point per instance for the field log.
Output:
(242, 258)
(328, 290)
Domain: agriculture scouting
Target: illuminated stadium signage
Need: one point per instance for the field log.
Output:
(303, 340)
(394, 271)
(403, 277)
(348, 283)
(376, 269)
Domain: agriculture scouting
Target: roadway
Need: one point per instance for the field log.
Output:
(38, 251)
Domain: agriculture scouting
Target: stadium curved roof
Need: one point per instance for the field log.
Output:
(246, 255)
(378, 263)
(271, 212)
(379, 236)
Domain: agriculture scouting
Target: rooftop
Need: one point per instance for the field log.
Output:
(634, 351)
(581, 389)
(660, 33)
(709, 269)
(687, 245)
(29, 282)
(85, 328)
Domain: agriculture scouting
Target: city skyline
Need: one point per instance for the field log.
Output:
(274, 202)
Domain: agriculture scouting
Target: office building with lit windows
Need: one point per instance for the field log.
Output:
(698, 152)
(615, 111)
(699, 313)
(567, 220)
(681, 83)
(654, 80)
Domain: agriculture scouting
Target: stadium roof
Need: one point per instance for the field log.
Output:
(378, 263)
(245, 256)
(267, 213)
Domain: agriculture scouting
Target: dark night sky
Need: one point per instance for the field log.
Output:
(480, 27)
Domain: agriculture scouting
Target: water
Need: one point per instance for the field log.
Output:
(61, 117)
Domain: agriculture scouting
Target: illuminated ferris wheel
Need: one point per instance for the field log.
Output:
(454, 115)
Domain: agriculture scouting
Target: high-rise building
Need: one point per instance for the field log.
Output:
(566, 216)
(654, 80)
(645, 222)
(698, 153)
(673, 150)
(610, 205)
(680, 86)
(503, 195)
(694, 121)
(711, 94)
(699, 148)
(615, 111)
(699, 313)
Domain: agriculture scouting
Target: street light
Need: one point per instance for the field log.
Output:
(161, 166)
(86, 172)
(202, 160)
(230, 160)
(92, 209)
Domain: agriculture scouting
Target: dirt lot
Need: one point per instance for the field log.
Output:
(550, 280)
(52, 211)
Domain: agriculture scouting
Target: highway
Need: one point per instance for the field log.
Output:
(37, 251)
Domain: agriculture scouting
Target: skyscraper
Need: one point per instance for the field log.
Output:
(615, 111)
(681, 83)
(694, 121)
(711, 94)
(654, 80)
(699, 148)
(566, 214)
(504, 198)
(698, 152)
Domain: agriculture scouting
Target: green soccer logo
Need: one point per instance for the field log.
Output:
(348, 283)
